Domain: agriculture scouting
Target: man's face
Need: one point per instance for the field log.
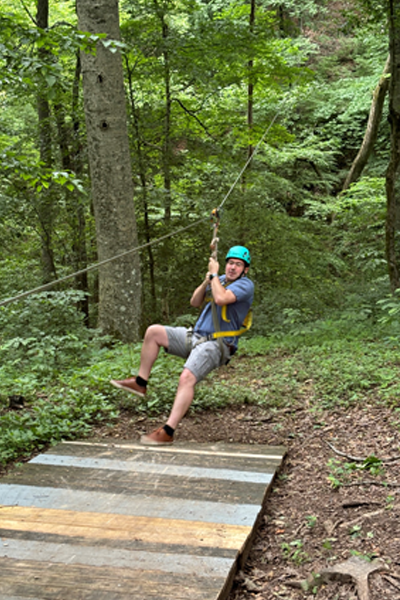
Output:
(235, 268)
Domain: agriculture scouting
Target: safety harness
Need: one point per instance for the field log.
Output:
(247, 323)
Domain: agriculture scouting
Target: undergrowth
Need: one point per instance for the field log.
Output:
(65, 388)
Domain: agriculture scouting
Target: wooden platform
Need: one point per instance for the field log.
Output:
(119, 521)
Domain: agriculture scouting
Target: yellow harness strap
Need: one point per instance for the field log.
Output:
(247, 323)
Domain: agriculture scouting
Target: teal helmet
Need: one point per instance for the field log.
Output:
(239, 252)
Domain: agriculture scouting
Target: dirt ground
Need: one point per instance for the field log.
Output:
(320, 512)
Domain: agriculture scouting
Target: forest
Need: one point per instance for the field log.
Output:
(124, 125)
(259, 109)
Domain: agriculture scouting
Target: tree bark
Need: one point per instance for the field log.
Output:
(69, 145)
(111, 174)
(250, 107)
(79, 245)
(45, 202)
(393, 167)
(143, 183)
(250, 86)
(166, 150)
(375, 115)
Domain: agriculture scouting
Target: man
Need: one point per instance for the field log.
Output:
(232, 296)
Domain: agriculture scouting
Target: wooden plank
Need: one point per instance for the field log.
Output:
(103, 526)
(50, 581)
(154, 468)
(121, 482)
(98, 556)
(17, 597)
(266, 461)
(166, 546)
(148, 506)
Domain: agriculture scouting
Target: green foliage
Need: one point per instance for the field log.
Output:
(67, 414)
(311, 521)
(44, 350)
(44, 332)
(390, 315)
(340, 472)
(360, 227)
(198, 55)
(343, 361)
(335, 474)
(370, 463)
(294, 551)
(335, 106)
(295, 268)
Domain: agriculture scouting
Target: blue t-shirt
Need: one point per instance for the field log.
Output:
(236, 312)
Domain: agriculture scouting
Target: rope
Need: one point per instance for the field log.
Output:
(51, 284)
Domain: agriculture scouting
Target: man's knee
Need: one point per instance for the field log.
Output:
(187, 378)
(158, 334)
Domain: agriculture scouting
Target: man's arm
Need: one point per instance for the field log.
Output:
(200, 292)
(221, 295)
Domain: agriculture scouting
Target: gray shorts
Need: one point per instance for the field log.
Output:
(202, 358)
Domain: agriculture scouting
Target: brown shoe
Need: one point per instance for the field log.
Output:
(159, 437)
(129, 385)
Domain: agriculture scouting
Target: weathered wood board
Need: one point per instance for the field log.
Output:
(119, 521)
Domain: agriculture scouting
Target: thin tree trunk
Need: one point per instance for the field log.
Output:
(371, 133)
(165, 265)
(69, 146)
(250, 106)
(111, 174)
(393, 167)
(80, 241)
(167, 125)
(143, 183)
(45, 203)
(250, 87)
(166, 158)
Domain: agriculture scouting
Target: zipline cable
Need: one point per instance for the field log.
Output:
(51, 284)
(252, 155)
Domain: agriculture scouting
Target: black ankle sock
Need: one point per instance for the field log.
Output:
(141, 382)
(168, 430)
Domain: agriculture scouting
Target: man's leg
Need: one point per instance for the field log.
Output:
(203, 358)
(183, 399)
(155, 338)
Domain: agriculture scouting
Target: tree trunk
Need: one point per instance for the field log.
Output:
(143, 184)
(393, 167)
(111, 174)
(167, 122)
(250, 86)
(79, 247)
(45, 203)
(375, 115)
(166, 157)
(250, 107)
(69, 145)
